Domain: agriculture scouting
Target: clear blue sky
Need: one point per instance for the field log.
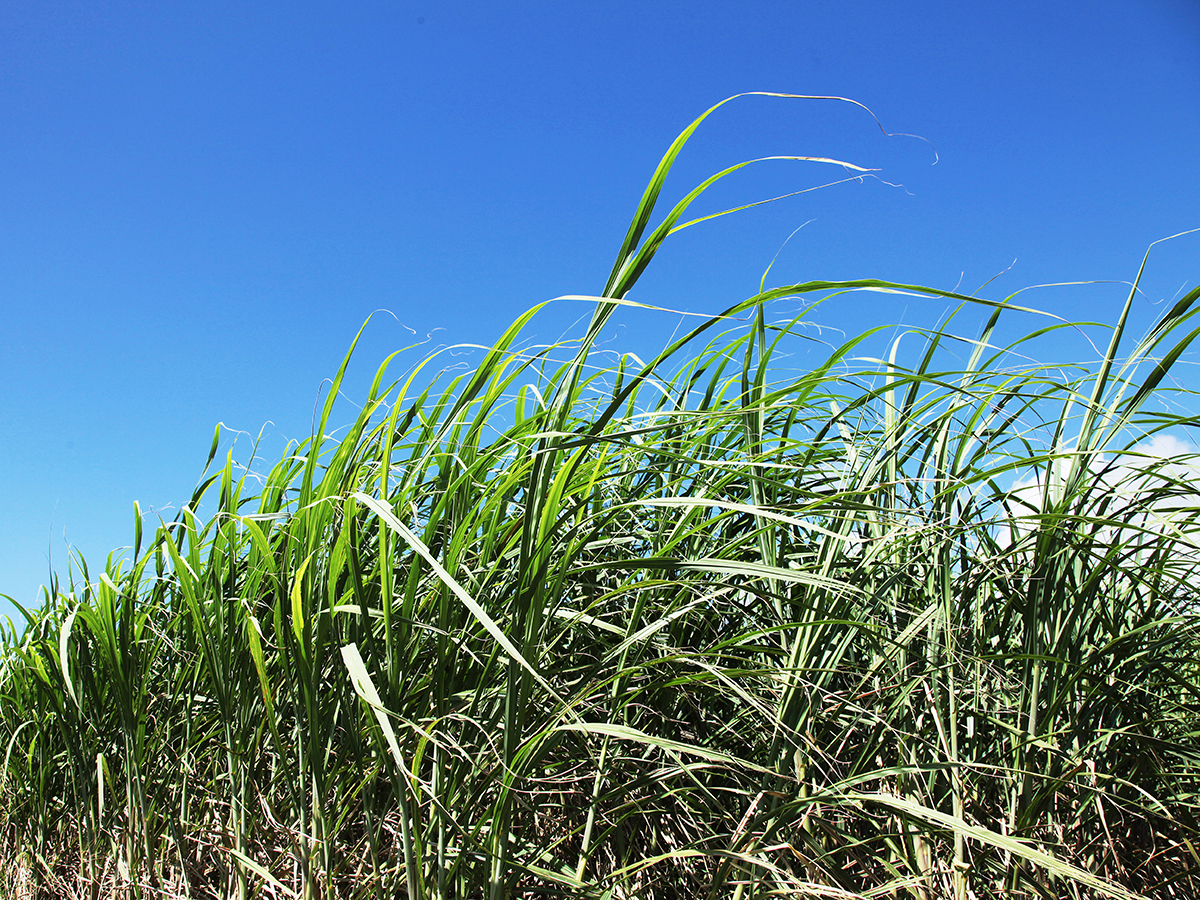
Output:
(201, 202)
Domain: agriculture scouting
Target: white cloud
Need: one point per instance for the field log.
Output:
(1155, 485)
(1165, 446)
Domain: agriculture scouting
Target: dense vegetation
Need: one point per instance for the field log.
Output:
(705, 626)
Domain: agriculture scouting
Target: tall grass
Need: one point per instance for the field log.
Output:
(576, 624)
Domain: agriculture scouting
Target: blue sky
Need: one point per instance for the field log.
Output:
(200, 203)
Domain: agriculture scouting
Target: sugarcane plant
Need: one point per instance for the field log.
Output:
(577, 624)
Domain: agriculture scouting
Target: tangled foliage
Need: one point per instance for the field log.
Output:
(578, 625)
